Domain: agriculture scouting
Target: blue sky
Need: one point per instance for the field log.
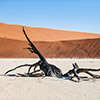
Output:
(73, 15)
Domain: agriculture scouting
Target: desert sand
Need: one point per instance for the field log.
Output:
(48, 88)
(51, 43)
(90, 48)
(42, 34)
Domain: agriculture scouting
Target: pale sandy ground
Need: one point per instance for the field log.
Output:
(48, 88)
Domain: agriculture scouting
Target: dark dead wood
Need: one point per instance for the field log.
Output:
(76, 70)
(47, 69)
(25, 65)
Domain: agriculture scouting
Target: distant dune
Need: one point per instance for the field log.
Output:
(89, 48)
(51, 43)
(42, 34)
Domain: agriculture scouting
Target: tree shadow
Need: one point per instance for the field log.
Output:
(59, 77)
(67, 78)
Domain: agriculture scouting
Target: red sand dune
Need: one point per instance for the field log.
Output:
(41, 34)
(89, 48)
(51, 43)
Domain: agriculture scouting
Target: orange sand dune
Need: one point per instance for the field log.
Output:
(88, 48)
(52, 43)
(41, 34)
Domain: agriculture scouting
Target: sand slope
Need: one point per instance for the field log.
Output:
(89, 48)
(52, 43)
(42, 34)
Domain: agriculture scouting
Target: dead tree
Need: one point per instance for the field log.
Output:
(76, 70)
(47, 69)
